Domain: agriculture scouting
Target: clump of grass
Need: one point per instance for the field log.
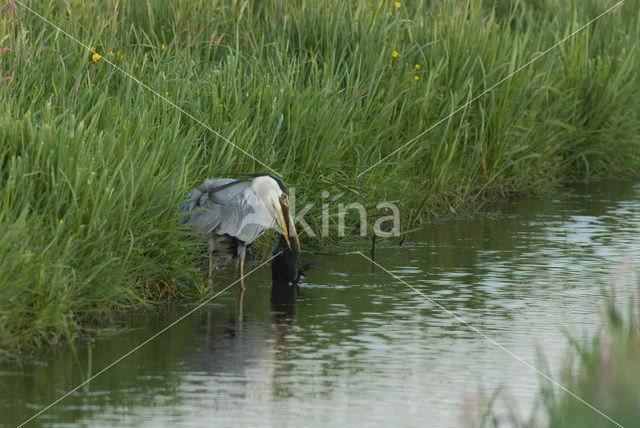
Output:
(93, 166)
(603, 370)
(605, 373)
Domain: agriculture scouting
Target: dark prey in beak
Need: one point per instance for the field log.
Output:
(284, 267)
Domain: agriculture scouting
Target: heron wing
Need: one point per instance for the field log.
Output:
(228, 206)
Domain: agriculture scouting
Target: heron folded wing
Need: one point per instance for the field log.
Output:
(229, 206)
(213, 191)
(224, 190)
(254, 217)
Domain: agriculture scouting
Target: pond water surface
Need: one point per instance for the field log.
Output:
(359, 348)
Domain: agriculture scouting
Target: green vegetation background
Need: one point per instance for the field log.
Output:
(93, 166)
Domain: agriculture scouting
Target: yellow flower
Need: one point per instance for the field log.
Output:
(398, 5)
(417, 66)
(163, 47)
(395, 54)
(416, 78)
(95, 57)
(93, 48)
(111, 53)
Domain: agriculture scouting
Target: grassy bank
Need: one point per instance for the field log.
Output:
(93, 166)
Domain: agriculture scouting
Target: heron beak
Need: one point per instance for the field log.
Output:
(283, 223)
(292, 227)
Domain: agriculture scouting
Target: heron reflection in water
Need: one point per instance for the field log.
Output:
(229, 214)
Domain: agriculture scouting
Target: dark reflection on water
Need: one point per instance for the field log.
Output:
(356, 347)
(284, 301)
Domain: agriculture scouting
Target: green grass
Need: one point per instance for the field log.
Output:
(93, 167)
(605, 372)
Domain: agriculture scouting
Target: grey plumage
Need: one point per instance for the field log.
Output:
(223, 209)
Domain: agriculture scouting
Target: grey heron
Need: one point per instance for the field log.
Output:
(229, 214)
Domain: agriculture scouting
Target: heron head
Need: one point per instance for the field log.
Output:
(273, 192)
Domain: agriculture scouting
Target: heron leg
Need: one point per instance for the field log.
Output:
(239, 315)
(210, 278)
(242, 271)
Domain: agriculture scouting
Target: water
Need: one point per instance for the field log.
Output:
(359, 348)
